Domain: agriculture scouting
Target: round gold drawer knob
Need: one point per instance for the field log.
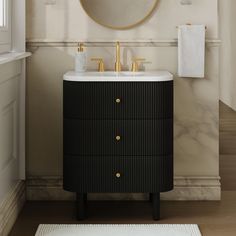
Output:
(118, 138)
(118, 100)
(118, 175)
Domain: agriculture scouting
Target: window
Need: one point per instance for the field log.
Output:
(5, 25)
(2, 14)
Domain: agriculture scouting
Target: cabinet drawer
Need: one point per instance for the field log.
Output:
(120, 137)
(118, 100)
(119, 174)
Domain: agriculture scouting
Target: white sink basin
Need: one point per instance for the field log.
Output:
(123, 76)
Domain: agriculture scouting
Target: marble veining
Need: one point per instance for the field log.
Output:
(111, 43)
(196, 113)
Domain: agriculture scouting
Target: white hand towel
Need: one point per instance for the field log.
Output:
(191, 51)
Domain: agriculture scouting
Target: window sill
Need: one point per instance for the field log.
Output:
(13, 56)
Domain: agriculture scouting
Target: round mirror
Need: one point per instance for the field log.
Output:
(119, 14)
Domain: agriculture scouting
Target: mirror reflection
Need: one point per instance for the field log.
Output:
(119, 14)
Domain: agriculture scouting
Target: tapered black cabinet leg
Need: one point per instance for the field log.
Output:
(150, 197)
(156, 206)
(81, 205)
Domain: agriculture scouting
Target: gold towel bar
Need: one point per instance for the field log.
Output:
(190, 24)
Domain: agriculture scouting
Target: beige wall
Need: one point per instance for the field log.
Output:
(228, 52)
(196, 100)
(67, 21)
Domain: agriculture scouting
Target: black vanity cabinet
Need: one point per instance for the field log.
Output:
(118, 138)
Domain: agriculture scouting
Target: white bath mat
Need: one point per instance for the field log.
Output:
(118, 230)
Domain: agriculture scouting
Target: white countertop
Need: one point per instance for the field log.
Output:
(125, 76)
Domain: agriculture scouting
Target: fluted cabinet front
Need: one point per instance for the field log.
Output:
(118, 136)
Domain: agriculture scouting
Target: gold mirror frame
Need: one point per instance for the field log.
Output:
(125, 27)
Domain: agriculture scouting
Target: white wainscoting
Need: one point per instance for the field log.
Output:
(12, 189)
(9, 129)
(11, 207)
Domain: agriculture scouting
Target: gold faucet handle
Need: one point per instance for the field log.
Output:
(135, 64)
(138, 59)
(100, 63)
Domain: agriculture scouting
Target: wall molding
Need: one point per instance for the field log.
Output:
(111, 43)
(11, 207)
(186, 189)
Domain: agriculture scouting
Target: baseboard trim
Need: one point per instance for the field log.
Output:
(11, 207)
(186, 189)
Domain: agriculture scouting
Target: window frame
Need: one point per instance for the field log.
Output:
(5, 31)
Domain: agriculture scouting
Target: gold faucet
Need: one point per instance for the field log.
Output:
(100, 63)
(118, 63)
(135, 64)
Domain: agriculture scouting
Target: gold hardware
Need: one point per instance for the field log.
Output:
(118, 100)
(118, 63)
(118, 175)
(135, 64)
(100, 64)
(190, 25)
(118, 138)
(80, 47)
